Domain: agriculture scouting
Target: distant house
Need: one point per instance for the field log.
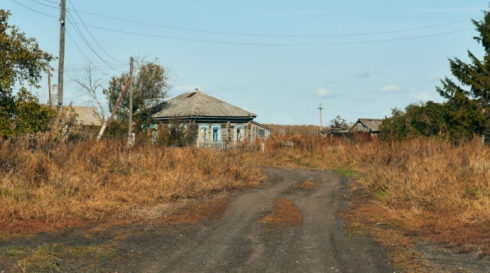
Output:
(367, 126)
(214, 121)
(336, 132)
(87, 116)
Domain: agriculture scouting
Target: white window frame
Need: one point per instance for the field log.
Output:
(218, 127)
(205, 128)
(239, 133)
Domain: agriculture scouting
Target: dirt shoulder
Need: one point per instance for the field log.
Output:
(237, 242)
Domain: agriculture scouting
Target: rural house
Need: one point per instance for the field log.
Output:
(367, 126)
(215, 122)
(87, 116)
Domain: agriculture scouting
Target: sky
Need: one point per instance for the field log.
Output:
(277, 59)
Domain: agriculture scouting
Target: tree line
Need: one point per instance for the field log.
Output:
(465, 112)
(23, 63)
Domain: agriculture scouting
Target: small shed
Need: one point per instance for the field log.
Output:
(368, 126)
(338, 132)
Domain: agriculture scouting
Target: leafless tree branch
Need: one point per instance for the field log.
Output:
(89, 86)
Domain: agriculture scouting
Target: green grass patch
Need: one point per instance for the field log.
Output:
(347, 172)
(381, 193)
(49, 257)
(300, 162)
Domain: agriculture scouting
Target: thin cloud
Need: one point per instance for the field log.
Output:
(433, 79)
(323, 93)
(363, 74)
(446, 10)
(390, 88)
(295, 13)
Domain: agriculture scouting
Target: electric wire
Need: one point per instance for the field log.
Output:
(271, 35)
(256, 34)
(51, 2)
(80, 33)
(46, 5)
(51, 16)
(95, 40)
(262, 44)
(79, 49)
(279, 44)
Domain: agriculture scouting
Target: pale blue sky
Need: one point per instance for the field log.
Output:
(283, 81)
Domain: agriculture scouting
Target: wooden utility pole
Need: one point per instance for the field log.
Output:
(104, 128)
(61, 63)
(320, 108)
(49, 87)
(130, 127)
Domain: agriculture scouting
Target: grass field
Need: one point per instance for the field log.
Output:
(48, 187)
(427, 188)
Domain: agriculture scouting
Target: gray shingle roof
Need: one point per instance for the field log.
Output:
(198, 104)
(367, 125)
(87, 115)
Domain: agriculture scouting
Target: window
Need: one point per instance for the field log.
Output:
(261, 133)
(240, 133)
(216, 132)
(203, 132)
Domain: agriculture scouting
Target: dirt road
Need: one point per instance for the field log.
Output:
(239, 243)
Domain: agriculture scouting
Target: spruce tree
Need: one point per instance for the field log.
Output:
(470, 97)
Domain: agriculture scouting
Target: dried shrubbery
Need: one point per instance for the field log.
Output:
(94, 180)
(431, 188)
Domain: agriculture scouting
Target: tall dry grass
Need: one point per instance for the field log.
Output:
(94, 180)
(432, 188)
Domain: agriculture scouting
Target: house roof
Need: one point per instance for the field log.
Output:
(262, 126)
(369, 125)
(87, 115)
(335, 131)
(198, 104)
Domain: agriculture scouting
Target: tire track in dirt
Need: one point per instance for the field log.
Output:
(239, 243)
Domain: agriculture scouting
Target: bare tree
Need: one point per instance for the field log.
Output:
(90, 86)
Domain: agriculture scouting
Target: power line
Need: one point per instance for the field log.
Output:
(75, 43)
(270, 35)
(95, 40)
(256, 34)
(51, 16)
(51, 2)
(46, 5)
(257, 44)
(278, 44)
(79, 32)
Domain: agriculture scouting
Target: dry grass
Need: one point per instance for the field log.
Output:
(432, 189)
(284, 213)
(211, 209)
(428, 188)
(306, 184)
(57, 185)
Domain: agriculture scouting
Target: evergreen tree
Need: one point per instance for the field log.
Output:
(471, 96)
(425, 119)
